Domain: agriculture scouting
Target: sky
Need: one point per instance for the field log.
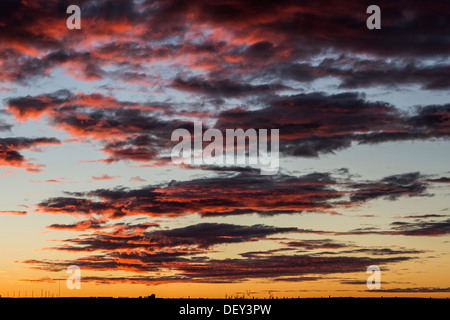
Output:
(87, 178)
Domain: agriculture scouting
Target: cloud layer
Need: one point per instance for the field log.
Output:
(139, 70)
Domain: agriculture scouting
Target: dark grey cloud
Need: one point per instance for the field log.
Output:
(224, 270)
(224, 87)
(10, 148)
(126, 236)
(305, 132)
(422, 228)
(391, 187)
(241, 193)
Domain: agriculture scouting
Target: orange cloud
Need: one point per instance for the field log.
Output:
(105, 177)
(13, 213)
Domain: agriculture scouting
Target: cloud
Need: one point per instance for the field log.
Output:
(78, 226)
(126, 130)
(13, 213)
(433, 77)
(209, 234)
(121, 38)
(61, 181)
(427, 229)
(316, 244)
(377, 251)
(241, 193)
(425, 216)
(390, 187)
(105, 177)
(356, 72)
(139, 132)
(137, 179)
(304, 132)
(33, 107)
(225, 87)
(306, 193)
(11, 157)
(282, 265)
(221, 270)
(197, 237)
(5, 126)
(103, 231)
(246, 51)
(418, 229)
(222, 169)
(145, 280)
(184, 251)
(440, 180)
(239, 64)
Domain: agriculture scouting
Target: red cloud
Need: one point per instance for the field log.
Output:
(105, 177)
(137, 179)
(244, 193)
(11, 157)
(13, 213)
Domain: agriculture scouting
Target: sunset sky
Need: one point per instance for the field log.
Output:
(87, 179)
